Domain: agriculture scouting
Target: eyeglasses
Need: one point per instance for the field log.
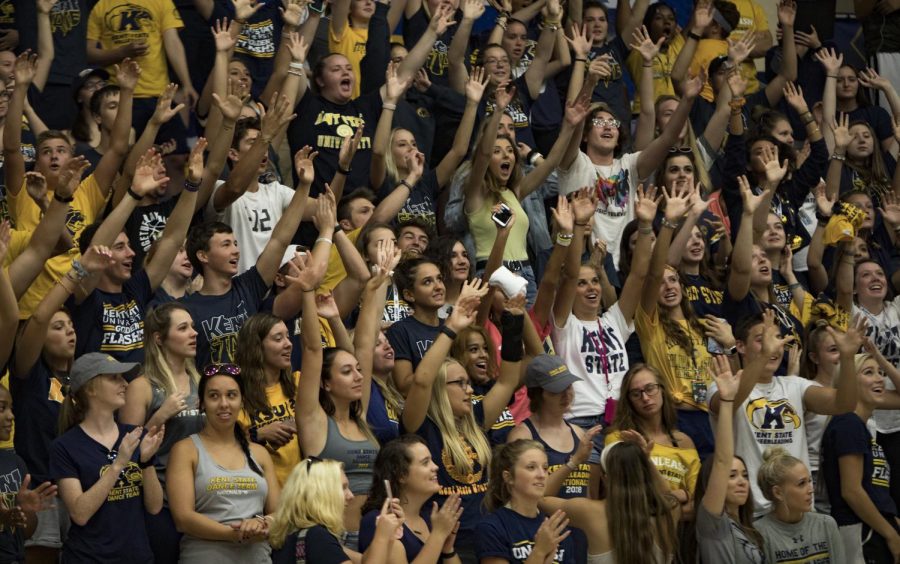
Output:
(599, 122)
(493, 61)
(652, 390)
(681, 150)
(221, 368)
(463, 384)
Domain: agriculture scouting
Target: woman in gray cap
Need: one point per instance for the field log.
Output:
(104, 469)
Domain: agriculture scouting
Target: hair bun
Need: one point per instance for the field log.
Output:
(772, 453)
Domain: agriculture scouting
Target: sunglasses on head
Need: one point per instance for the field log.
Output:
(681, 150)
(226, 369)
(310, 460)
(603, 122)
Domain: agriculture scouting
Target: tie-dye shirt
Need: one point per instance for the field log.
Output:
(615, 186)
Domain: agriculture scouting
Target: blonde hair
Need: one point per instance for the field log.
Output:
(312, 495)
(777, 462)
(390, 166)
(456, 433)
(858, 361)
(156, 367)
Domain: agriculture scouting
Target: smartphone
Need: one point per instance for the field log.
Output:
(502, 216)
(387, 488)
(713, 346)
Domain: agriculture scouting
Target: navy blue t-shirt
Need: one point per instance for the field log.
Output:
(510, 535)
(422, 201)
(847, 434)
(470, 487)
(411, 338)
(327, 548)
(877, 117)
(519, 109)
(383, 420)
(258, 41)
(218, 319)
(613, 90)
(705, 300)
(505, 422)
(145, 225)
(113, 322)
(115, 533)
(12, 472)
(37, 397)
(409, 540)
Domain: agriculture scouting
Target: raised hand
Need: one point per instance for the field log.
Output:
(297, 46)
(145, 181)
(388, 256)
(415, 164)
(773, 344)
(244, 9)
(326, 212)
(70, 176)
(578, 109)
(463, 315)
(303, 163)
(890, 208)
(164, 110)
(292, 12)
(309, 275)
(703, 16)
(824, 204)
(809, 40)
(739, 50)
(442, 19)
(750, 200)
(598, 255)
(231, 105)
(349, 146)
(641, 42)
(696, 204)
(850, 341)
(45, 6)
(277, 117)
(736, 83)
(421, 81)
(691, 87)
(580, 41)
(222, 36)
(718, 329)
(326, 306)
(515, 305)
(551, 532)
(477, 82)
(151, 441)
(394, 87)
(97, 258)
(726, 382)
(787, 13)
(36, 187)
(646, 203)
(195, 162)
(599, 69)
(840, 128)
(445, 520)
(563, 215)
(25, 68)
(793, 95)
(678, 201)
(472, 9)
(871, 79)
(503, 95)
(584, 205)
(830, 59)
(774, 172)
(128, 72)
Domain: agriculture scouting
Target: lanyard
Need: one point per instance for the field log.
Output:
(600, 346)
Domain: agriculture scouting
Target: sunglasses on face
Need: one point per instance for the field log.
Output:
(221, 369)
(601, 122)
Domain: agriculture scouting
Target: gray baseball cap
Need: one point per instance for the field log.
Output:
(90, 365)
(550, 373)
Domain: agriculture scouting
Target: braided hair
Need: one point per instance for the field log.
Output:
(239, 434)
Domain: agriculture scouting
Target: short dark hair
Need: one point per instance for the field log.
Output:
(416, 221)
(742, 328)
(594, 5)
(198, 240)
(242, 127)
(731, 14)
(343, 208)
(100, 95)
(86, 236)
(51, 134)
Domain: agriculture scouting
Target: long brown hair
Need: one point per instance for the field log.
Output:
(504, 460)
(356, 411)
(74, 408)
(627, 419)
(674, 331)
(642, 515)
(249, 357)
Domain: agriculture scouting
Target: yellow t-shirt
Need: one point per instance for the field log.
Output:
(484, 230)
(709, 49)
(752, 17)
(336, 271)
(114, 23)
(679, 466)
(4, 381)
(351, 44)
(685, 375)
(662, 70)
(84, 210)
(281, 409)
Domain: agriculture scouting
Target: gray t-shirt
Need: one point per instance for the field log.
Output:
(815, 540)
(721, 539)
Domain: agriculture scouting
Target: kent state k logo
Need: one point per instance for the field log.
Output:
(773, 422)
(128, 17)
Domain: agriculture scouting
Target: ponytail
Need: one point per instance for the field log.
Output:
(245, 446)
(73, 410)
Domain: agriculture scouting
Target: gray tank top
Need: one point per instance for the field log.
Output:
(179, 427)
(225, 496)
(358, 457)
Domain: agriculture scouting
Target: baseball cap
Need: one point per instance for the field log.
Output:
(550, 373)
(84, 75)
(90, 365)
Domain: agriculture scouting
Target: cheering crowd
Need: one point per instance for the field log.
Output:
(343, 281)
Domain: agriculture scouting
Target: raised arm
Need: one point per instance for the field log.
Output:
(677, 203)
(440, 21)
(44, 43)
(270, 259)
(512, 323)
(178, 62)
(546, 294)
(9, 308)
(13, 162)
(630, 18)
(871, 79)
(537, 70)
(695, 211)
(840, 140)
(651, 157)
(394, 90)
(835, 401)
(418, 399)
(717, 489)
(584, 205)
(474, 189)
(292, 49)
(703, 16)
(127, 75)
(831, 61)
(646, 125)
(739, 277)
(454, 157)
(458, 74)
(645, 207)
(230, 108)
(818, 275)
(787, 13)
(173, 235)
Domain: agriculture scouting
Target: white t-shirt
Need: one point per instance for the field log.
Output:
(600, 361)
(772, 415)
(884, 331)
(253, 217)
(615, 186)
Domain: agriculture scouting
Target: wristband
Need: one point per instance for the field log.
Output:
(405, 183)
(62, 200)
(295, 72)
(389, 106)
(312, 8)
(511, 327)
(737, 103)
(836, 157)
(295, 65)
(325, 239)
(448, 331)
(344, 172)
(582, 224)
(728, 400)
(79, 269)
(134, 194)
(694, 36)
(580, 59)
(190, 186)
(571, 465)
(645, 230)
(448, 555)
(831, 76)
(145, 465)
(563, 241)
(794, 286)
(666, 223)
(822, 218)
